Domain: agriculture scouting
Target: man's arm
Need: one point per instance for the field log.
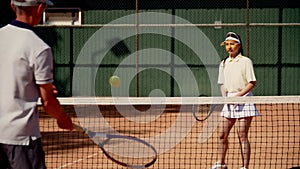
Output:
(52, 106)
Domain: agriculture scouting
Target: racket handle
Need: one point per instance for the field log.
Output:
(89, 133)
(79, 128)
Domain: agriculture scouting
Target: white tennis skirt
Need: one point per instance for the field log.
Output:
(239, 110)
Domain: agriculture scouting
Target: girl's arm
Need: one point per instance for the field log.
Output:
(223, 91)
(247, 89)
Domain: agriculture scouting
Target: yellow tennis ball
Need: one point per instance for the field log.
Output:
(114, 81)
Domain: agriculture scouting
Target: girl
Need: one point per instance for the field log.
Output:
(236, 78)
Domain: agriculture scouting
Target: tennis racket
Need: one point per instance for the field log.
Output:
(199, 112)
(127, 151)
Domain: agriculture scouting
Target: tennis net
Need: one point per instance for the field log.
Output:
(169, 124)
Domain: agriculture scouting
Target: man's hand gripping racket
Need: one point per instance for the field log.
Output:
(127, 151)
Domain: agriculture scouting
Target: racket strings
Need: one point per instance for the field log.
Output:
(129, 151)
(201, 111)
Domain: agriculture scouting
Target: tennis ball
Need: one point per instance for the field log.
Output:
(114, 81)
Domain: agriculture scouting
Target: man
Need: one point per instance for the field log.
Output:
(26, 73)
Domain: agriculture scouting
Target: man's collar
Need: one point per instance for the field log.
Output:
(21, 24)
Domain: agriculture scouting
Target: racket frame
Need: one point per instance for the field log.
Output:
(92, 134)
(211, 110)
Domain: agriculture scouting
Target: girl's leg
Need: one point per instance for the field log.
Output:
(224, 129)
(244, 125)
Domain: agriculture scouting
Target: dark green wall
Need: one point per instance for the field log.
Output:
(274, 50)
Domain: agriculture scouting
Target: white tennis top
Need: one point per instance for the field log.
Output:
(25, 62)
(236, 73)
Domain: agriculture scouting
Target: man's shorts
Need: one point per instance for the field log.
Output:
(22, 157)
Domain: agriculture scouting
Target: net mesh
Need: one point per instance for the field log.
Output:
(169, 125)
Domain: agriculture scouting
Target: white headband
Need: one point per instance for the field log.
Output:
(232, 38)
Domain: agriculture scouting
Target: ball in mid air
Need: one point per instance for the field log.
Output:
(114, 81)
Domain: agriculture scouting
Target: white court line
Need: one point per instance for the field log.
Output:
(78, 160)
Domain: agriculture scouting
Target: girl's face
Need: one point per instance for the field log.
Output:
(232, 47)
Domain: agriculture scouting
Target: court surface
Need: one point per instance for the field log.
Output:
(274, 137)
